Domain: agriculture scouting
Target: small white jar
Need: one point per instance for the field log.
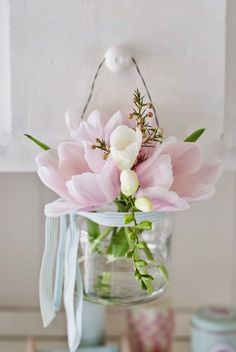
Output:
(214, 330)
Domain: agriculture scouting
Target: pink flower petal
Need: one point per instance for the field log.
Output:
(85, 132)
(164, 200)
(94, 158)
(98, 119)
(93, 190)
(185, 157)
(118, 119)
(53, 179)
(56, 168)
(156, 170)
(47, 158)
(209, 172)
(71, 159)
(88, 185)
(200, 192)
(59, 208)
(200, 185)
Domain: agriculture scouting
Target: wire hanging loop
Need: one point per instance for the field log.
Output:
(92, 88)
(142, 79)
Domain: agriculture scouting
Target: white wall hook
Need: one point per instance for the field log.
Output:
(118, 58)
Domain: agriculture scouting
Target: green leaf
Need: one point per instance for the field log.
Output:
(195, 135)
(131, 238)
(147, 276)
(128, 218)
(143, 245)
(141, 263)
(137, 275)
(106, 278)
(138, 231)
(36, 141)
(143, 285)
(148, 283)
(145, 225)
(123, 203)
(129, 254)
(119, 245)
(148, 252)
(122, 206)
(164, 272)
(93, 230)
(103, 287)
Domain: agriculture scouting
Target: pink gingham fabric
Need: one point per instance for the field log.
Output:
(151, 329)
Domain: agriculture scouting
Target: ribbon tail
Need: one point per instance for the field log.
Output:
(60, 262)
(46, 272)
(73, 307)
(79, 307)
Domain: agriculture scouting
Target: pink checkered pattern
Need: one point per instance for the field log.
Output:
(151, 329)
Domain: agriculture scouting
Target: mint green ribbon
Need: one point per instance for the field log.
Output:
(61, 255)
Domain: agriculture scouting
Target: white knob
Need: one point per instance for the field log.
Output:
(118, 58)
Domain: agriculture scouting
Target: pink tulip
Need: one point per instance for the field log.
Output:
(66, 172)
(172, 175)
(177, 174)
(98, 125)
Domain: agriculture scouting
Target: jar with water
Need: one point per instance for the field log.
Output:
(111, 275)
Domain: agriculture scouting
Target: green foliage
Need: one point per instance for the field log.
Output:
(119, 245)
(93, 230)
(147, 283)
(131, 238)
(96, 243)
(145, 225)
(141, 263)
(38, 142)
(128, 218)
(164, 272)
(195, 135)
(125, 243)
(137, 275)
(143, 245)
(102, 286)
(123, 203)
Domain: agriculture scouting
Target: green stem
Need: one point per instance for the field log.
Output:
(133, 211)
(100, 238)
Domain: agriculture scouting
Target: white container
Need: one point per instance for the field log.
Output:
(214, 330)
(93, 324)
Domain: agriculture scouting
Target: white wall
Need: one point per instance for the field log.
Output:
(5, 102)
(55, 48)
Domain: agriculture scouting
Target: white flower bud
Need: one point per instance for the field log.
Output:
(129, 182)
(125, 145)
(144, 204)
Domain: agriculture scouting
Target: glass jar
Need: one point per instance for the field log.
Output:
(109, 274)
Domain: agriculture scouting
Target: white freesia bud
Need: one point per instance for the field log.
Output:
(144, 204)
(125, 145)
(129, 182)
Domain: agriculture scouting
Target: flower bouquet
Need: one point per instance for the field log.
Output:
(122, 176)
